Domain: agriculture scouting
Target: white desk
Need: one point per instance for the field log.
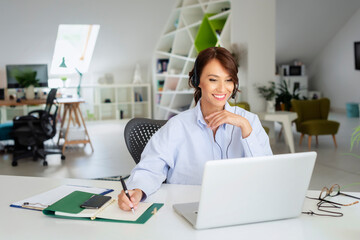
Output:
(286, 119)
(18, 223)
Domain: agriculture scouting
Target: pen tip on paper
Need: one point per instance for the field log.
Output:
(133, 211)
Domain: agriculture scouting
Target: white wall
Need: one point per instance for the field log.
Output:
(298, 21)
(253, 30)
(129, 31)
(333, 70)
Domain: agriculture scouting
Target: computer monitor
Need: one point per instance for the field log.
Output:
(357, 55)
(40, 69)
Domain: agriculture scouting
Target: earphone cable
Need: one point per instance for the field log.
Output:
(232, 131)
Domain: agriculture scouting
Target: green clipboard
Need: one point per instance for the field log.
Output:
(71, 204)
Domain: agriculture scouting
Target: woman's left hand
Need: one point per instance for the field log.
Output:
(218, 118)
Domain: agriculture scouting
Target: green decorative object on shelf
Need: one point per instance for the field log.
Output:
(217, 25)
(209, 32)
(193, 26)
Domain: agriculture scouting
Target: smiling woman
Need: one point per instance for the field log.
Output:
(216, 86)
(215, 80)
(212, 130)
(225, 63)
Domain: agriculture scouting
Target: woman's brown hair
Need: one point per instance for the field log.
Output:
(226, 60)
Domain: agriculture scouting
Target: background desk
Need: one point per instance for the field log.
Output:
(286, 119)
(72, 114)
(25, 103)
(166, 224)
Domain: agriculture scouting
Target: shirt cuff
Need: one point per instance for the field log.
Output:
(251, 138)
(133, 185)
(251, 143)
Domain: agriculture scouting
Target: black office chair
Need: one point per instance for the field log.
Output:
(31, 131)
(138, 132)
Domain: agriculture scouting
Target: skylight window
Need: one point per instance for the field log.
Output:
(76, 44)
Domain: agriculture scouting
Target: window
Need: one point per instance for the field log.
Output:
(76, 44)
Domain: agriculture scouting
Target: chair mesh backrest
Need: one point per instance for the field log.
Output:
(48, 123)
(48, 120)
(50, 100)
(138, 132)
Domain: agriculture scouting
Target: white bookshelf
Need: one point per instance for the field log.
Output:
(123, 101)
(178, 48)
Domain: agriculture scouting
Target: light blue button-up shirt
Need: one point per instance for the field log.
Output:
(179, 150)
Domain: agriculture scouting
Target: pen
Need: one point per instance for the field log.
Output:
(126, 191)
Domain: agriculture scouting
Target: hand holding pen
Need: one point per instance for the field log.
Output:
(129, 199)
(127, 194)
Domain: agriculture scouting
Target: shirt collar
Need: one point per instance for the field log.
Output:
(228, 107)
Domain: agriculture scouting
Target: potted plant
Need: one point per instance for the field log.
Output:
(268, 92)
(63, 79)
(355, 139)
(283, 97)
(27, 79)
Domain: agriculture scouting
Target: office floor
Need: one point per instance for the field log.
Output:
(111, 157)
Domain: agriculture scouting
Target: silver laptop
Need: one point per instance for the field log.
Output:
(249, 190)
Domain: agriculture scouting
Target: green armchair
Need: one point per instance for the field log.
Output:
(244, 105)
(312, 119)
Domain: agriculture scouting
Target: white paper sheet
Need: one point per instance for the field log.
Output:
(43, 200)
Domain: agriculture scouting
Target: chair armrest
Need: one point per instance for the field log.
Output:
(24, 120)
(38, 112)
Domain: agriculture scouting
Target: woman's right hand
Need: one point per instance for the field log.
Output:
(124, 202)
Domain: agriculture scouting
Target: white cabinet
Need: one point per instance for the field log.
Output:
(193, 26)
(123, 101)
(8, 113)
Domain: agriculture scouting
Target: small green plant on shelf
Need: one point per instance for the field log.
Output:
(25, 78)
(63, 79)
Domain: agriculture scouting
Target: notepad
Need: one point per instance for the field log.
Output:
(110, 210)
(43, 200)
(69, 207)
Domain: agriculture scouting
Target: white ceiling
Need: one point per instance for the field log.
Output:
(304, 27)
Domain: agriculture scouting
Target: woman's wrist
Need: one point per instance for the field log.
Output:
(245, 127)
(141, 194)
